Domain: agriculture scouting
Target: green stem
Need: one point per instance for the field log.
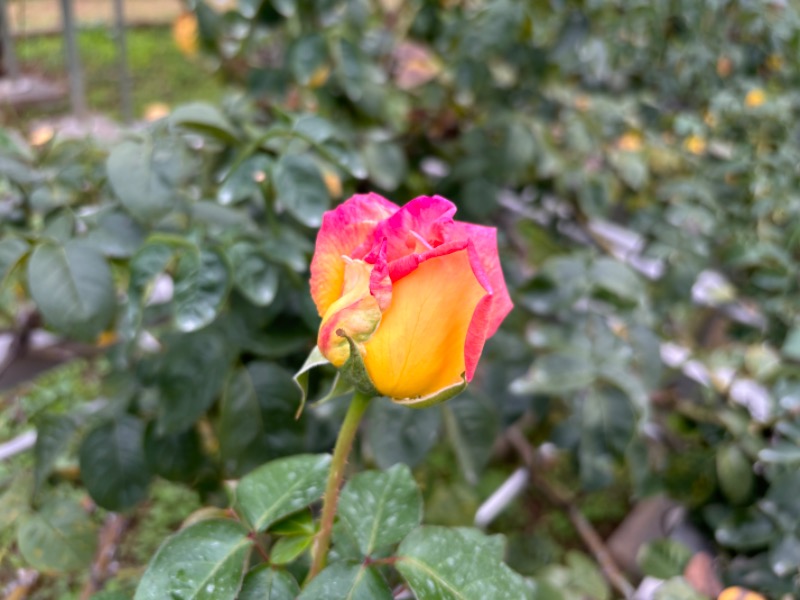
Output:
(344, 443)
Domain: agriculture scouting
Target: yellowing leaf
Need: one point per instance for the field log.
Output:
(755, 98)
(185, 34)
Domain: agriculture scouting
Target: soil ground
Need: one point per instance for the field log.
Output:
(30, 17)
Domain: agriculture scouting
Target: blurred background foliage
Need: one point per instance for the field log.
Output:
(640, 159)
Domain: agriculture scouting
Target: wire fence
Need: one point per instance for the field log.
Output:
(50, 51)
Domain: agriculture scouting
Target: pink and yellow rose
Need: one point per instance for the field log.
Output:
(417, 292)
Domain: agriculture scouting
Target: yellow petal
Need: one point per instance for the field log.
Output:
(418, 349)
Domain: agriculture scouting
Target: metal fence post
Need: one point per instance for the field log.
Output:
(126, 101)
(77, 91)
(10, 65)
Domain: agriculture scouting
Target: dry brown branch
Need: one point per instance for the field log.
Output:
(110, 535)
(563, 499)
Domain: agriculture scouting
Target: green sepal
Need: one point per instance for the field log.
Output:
(435, 398)
(339, 387)
(315, 359)
(354, 371)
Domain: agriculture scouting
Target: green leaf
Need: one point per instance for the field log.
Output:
(779, 453)
(380, 508)
(189, 376)
(60, 537)
(790, 349)
(53, 435)
(12, 251)
(347, 580)
(264, 583)
(280, 488)
(663, 558)
(306, 56)
(72, 287)
(113, 465)
(202, 282)
(785, 556)
(735, 474)
(244, 181)
(399, 434)
(386, 164)
(678, 588)
(607, 425)
(285, 7)
(300, 189)
(253, 274)
(556, 373)
(472, 424)
(15, 500)
(350, 69)
(287, 549)
(144, 176)
(300, 523)
(116, 235)
(240, 416)
(258, 421)
(59, 227)
(617, 278)
(439, 563)
(151, 260)
(315, 127)
(203, 562)
(173, 456)
(580, 578)
(204, 118)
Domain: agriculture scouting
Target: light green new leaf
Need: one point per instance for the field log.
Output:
(203, 562)
(287, 549)
(380, 508)
(280, 488)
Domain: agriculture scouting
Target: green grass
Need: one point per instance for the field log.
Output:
(160, 73)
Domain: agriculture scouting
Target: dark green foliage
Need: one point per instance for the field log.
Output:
(640, 162)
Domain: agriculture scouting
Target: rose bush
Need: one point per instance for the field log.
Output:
(416, 292)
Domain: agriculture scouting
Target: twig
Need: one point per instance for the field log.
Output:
(21, 443)
(26, 323)
(563, 499)
(22, 587)
(110, 535)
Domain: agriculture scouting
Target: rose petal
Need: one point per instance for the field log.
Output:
(416, 227)
(420, 347)
(356, 313)
(342, 231)
(485, 241)
(380, 285)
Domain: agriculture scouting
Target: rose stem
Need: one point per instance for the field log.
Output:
(344, 443)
